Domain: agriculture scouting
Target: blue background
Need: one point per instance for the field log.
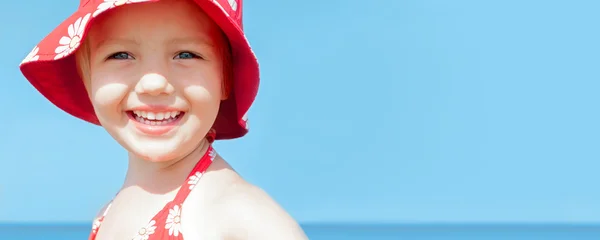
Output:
(369, 111)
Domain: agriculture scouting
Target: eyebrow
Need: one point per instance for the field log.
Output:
(116, 41)
(196, 40)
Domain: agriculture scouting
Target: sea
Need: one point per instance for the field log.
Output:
(356, 231)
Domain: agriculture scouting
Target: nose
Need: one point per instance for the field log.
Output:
(153, 84)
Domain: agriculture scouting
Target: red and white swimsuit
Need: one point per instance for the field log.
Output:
(166, 224)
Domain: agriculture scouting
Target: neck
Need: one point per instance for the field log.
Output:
(164, 176)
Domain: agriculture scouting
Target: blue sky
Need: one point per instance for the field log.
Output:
(369, 111)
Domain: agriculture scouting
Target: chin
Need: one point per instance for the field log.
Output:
(155, 157)
(156, 150)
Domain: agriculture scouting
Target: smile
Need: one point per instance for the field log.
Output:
(156, 118)
(155, 123)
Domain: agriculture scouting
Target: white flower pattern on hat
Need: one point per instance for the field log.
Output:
(71, 42)
(145, 232)
(233, 4)
(245, 120)
(32, 56)
(108, 4)
(221, 7)
(174, 221)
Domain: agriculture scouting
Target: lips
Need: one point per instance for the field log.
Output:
(153, 122)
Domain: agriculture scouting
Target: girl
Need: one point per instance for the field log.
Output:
(164, 78)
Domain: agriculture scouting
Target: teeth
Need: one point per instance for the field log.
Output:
(151, 117)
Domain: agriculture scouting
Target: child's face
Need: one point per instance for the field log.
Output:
(160, 60)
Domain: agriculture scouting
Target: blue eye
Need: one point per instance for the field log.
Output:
(120, 55)
(186, 55)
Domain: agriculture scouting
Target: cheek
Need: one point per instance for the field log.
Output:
(199, 95)
(203, 94)
(202, 86)
(107, 92)
(202, 97)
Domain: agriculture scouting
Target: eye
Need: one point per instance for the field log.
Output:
(186, 55)
(120, 56)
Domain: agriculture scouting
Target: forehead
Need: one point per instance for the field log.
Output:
(155, 20)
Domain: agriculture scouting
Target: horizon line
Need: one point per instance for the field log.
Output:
(354, 223)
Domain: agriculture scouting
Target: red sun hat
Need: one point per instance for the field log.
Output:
(51, 68)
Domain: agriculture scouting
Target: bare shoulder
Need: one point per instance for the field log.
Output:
(255, 215)
(96, 221)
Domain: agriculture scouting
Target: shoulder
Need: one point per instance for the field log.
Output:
(97, 220)
(253, 214)
(225, 206)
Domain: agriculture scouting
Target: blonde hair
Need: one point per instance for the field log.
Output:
(82, 60)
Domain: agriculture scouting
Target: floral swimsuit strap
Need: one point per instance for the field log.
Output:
(166, 223)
